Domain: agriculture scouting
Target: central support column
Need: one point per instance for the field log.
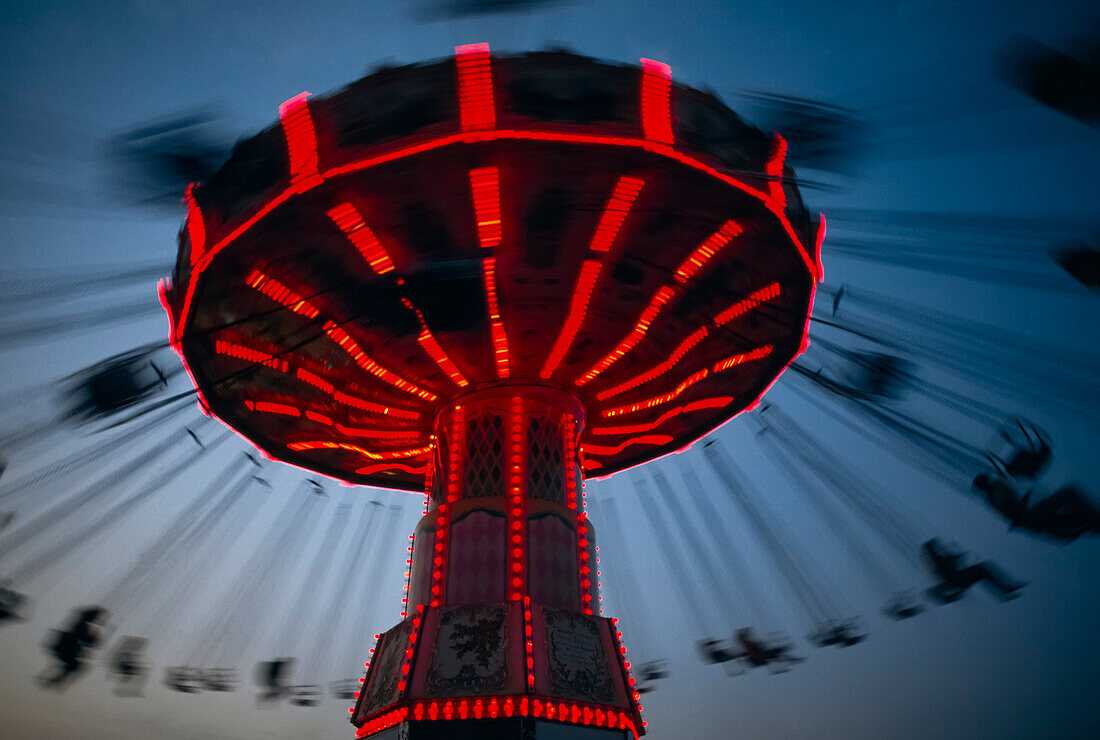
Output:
(500, 624)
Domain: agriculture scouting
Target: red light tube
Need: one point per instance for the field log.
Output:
(658, 400)
(196, 229)
(500, 339)
(649, 439)
(756, 354)
(369, 454)
(475, 86)
(281, 294)
(767, 293)
(615, 212)
(705, 403)
(713, 244)
(774, 170)
(435, 351)
(351, 223)
(349, 345)
(301, 143)
(485, 190)
(655, 100)
(270, 407)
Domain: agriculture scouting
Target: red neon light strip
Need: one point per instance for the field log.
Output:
(378, 467)
(196, 229)
(431, 346)
(767, 293)
(774, 170)
(578, 307)
(485, 190)
(351, 223)
(660, 298)
(706, 250)
(377, 433)
(500, 339)
(301, 142)
(371, 406)
(543, 707)
(269, 407)
(517, 570)
(443, 520)
(658, 400)
(615, 212)
(349, 345)
(320, 418)
(529, 644)
(656, 101)
(473, 137)
(262, 358)
(756, 354)
(281, 294)
(726, 364)
(705, 403)
(347, 447)
(475, 86)
(649, 439)
(315, 380)
(693, 339)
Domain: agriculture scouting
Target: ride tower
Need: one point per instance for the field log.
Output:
(487, 279)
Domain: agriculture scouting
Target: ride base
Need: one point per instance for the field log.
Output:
(505, 639)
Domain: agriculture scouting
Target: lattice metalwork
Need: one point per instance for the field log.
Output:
(544, 460)
(484, 463)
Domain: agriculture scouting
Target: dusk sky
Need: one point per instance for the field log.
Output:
(944, 135)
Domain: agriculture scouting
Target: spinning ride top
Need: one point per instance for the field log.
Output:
(488, 279)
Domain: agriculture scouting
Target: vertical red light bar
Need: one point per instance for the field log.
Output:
(656, 101)
(774, 170)
(477, 109)
(529, 641)
(485, 189)
(517, 583)
(442, 522)
(301, 142)
(496, 326)
(196, 229)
